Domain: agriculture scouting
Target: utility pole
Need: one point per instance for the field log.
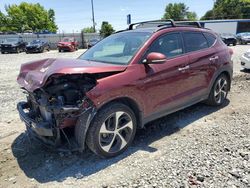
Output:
(93, 15)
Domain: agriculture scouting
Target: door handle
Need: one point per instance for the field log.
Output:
(183, 68)
(213, 58)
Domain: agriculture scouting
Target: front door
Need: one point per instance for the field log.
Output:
(165, 84)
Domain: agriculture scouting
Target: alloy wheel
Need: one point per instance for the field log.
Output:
(221, 90)
(115, 132)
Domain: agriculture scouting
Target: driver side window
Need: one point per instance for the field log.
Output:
(170, 45)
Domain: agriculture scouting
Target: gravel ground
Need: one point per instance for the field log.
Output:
(200, 146)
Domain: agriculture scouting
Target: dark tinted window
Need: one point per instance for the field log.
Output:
(210, 38)
(194, 41)
(169, 45)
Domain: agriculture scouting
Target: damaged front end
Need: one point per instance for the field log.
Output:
(51, 109)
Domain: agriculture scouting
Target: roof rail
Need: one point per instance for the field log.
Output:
(159, 22)
(188, 23)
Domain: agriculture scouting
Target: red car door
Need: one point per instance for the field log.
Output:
(164, 84)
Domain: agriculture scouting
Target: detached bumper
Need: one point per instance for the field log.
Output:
(41, 128)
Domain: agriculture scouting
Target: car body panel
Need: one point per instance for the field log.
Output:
(34, 74)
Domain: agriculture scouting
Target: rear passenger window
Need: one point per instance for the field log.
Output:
(194, 41)
(170, 45)
(210, 38)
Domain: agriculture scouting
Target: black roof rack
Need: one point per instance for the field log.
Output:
(188, 23)
(167, 23)
(159, 22)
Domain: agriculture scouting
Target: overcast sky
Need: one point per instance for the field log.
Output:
(73, 15)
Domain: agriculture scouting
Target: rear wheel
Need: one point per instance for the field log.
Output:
(219, 91)
(112, 130)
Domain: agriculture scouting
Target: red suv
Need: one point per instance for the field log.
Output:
(67, 44)
(123, 82)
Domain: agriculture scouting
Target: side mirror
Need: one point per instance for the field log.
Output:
(155, 58)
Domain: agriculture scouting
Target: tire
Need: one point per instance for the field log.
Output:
(59, 50)
(219, 91)
(103, 136)
(42, 50)
(234, 44)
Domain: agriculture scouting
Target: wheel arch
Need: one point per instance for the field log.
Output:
(131, 104)
(225, 71)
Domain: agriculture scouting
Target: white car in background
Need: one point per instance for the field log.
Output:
(245, 60)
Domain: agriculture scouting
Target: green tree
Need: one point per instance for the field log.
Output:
(178, 12)
(3, 22)
(88, 30)
(229, 9)
(192, 16)
(106, 29)
(29, 16)
(209, 15)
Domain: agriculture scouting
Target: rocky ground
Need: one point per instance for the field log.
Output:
(200, 146)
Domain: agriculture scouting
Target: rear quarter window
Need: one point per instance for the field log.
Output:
(210, 39)
(194, 41)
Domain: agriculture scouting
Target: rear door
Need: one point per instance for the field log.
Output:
(201, 54)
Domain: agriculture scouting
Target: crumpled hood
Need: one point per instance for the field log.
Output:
(34, 75)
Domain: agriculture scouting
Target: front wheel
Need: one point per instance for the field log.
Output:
(112, 130)
(219, 91)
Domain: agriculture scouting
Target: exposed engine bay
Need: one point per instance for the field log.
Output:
(58, 104)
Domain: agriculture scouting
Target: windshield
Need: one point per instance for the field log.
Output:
(227, 35)
(93, 40)
(245, 34)
(36, 41)
(11, 40)
(67, 40)
(116, 49)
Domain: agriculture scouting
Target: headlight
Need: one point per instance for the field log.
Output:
(247, 54)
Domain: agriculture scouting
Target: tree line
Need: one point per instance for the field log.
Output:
(27, 17)
(34, 17)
